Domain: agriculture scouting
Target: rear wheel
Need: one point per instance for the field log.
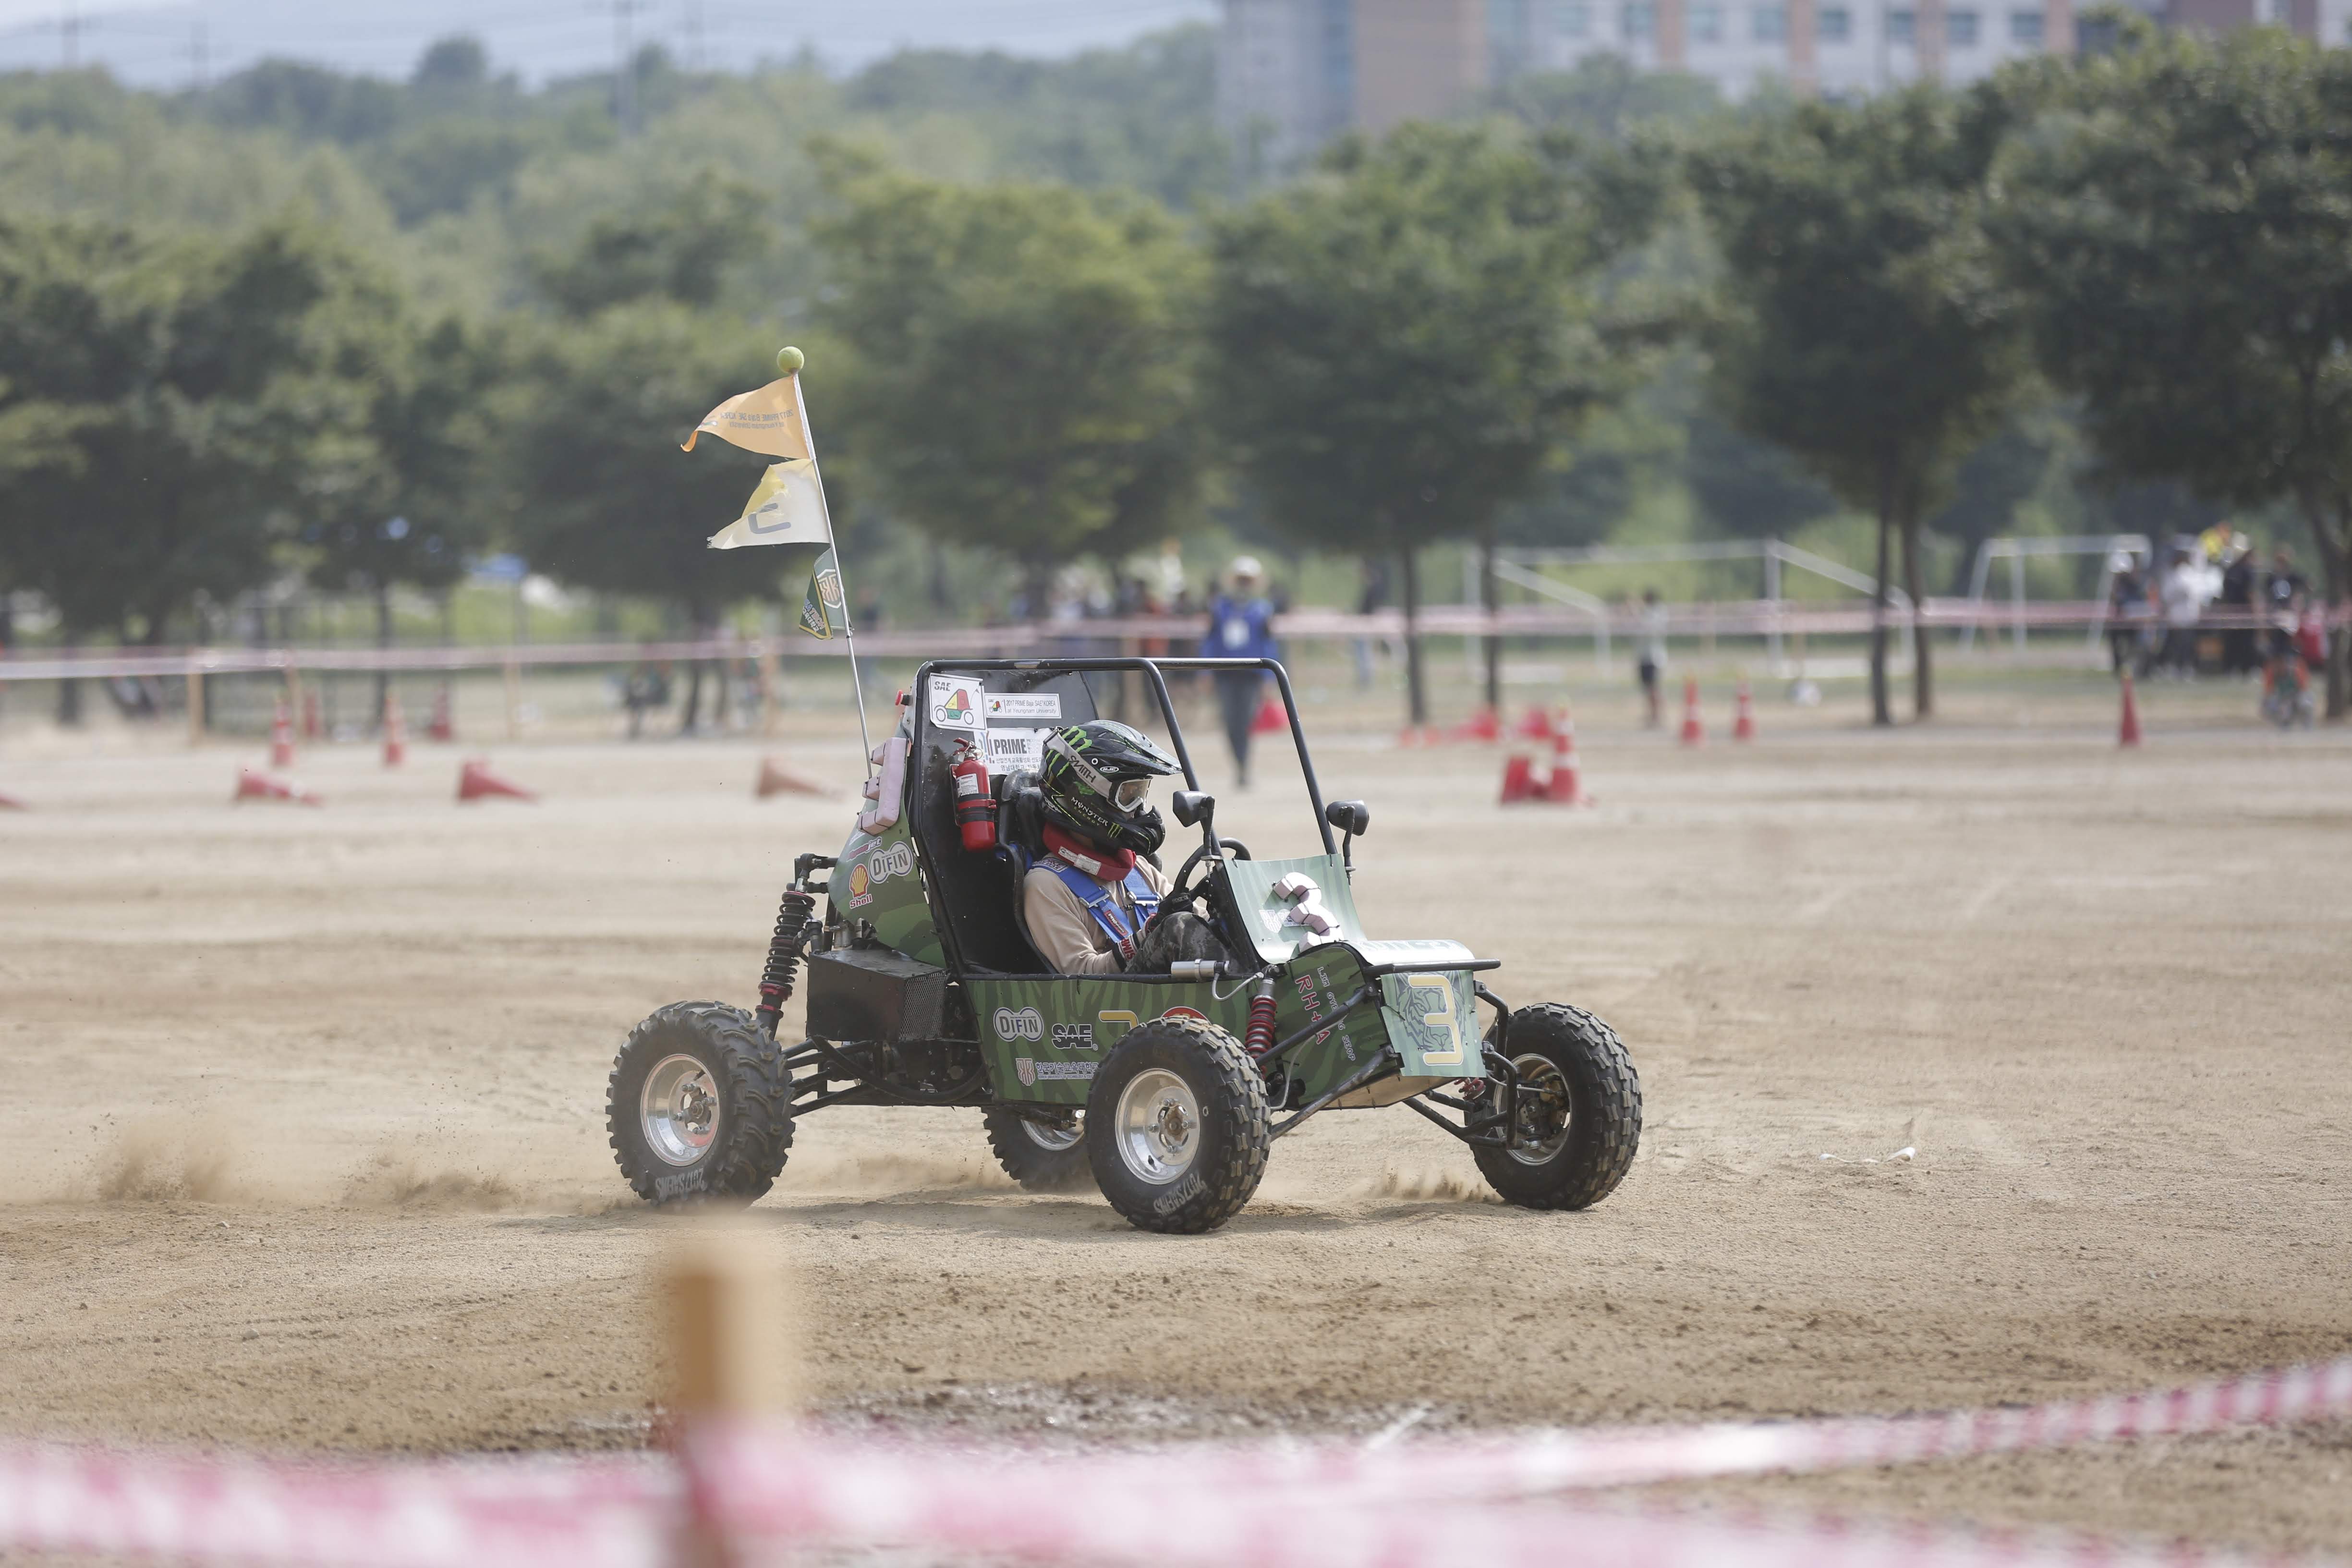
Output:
(1176, 1128)
(1045, 1152)
(1580, 1110)
(699, 1106)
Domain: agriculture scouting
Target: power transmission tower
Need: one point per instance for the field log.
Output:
(624, 65)
(200, 54)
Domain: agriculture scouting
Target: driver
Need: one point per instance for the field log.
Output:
(1092, 900)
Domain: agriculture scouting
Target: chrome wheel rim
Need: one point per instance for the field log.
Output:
(1158, 1129)
(1543, 1111)
(1056, 1137)
(677, 1110)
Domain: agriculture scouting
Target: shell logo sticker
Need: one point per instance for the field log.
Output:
(1019, 1024)
(887, 861)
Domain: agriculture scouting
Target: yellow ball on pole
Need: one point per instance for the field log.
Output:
(789, 360)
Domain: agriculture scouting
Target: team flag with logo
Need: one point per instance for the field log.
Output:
(823, 614)
(767, 419)
(788, 508)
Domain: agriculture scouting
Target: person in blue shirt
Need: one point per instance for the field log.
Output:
(1241, 622)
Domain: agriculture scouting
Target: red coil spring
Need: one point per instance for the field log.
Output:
(1260, 1038)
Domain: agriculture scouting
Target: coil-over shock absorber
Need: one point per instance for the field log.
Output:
(795, 920)
(1259, 1040)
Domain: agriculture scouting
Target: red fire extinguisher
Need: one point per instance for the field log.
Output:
(975, 807)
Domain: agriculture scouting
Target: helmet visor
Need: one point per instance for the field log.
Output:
(1132, 793)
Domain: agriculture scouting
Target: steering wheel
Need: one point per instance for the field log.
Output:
(1181, 893)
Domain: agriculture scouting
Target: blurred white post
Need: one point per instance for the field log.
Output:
(2017, 600)
(514, 699)
(195, 704)
(1772, 602)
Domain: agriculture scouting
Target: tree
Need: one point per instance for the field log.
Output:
(1024, 375)
(2180, 210)
(166, 409)
(1403, 338)
(681, 250)
(600, 496)
(1863, 324)
(402, 505)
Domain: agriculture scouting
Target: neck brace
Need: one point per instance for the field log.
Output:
(1107, 866)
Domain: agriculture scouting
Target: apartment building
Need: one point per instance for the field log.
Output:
(1294, 73)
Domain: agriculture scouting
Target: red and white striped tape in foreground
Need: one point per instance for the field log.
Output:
(531, 1513)
(1282, 1505)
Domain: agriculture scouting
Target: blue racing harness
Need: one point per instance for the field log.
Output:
(1105, 908)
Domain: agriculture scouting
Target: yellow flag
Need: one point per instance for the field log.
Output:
(765, 420)
(787, 509)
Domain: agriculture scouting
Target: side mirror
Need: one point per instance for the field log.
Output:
(1352, 817)
(1193, 807)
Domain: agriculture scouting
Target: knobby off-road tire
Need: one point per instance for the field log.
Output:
(699, 1106)
(1176, 1126)
(1042, 1159)
(1566, 1052)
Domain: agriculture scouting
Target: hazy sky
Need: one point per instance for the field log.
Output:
(162, 44)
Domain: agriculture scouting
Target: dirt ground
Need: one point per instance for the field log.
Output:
(307, 1107)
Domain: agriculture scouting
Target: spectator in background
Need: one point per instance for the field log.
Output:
(1374, 598)
(1241, 623)
(2127, 608)
(2240, 654)
(1652, 664)
(2183, 595)
(2282, 595)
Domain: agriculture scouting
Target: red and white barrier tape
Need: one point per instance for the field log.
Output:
(556, 1513)
(1285, 1505)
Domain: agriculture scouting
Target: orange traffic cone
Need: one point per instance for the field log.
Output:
(777, 779)
(2130, 734)
(1536, 725)
(1518, 780)
(395, 733)
(252, 785)
(281, 738)
(1566, 785)
(1694, 731)
(1483, 725)
(1743, 715)
(310, 713)
(1270, 717)
(477, 782)
(442, 727)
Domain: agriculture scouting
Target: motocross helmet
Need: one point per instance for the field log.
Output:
(1097, 780)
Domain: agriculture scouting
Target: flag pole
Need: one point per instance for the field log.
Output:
(789, 360)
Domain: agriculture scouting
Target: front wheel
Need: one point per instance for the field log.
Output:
(1176, 1126)
(1044, 1153)
(699, 1106)
(1580, 1112)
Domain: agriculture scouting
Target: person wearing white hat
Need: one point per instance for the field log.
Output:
(1241, 626)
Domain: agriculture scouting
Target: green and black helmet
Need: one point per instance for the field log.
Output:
(1097, 779)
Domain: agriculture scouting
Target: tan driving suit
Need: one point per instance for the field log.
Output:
(1066, 934)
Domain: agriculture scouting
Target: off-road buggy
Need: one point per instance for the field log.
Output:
(1165, 1089)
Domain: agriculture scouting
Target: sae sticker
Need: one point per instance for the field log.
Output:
(1024, 705)
(955, 703)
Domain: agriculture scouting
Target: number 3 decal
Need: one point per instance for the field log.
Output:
(1440, 1017)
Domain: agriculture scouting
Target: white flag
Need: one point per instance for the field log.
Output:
(787, 509)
